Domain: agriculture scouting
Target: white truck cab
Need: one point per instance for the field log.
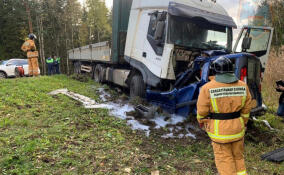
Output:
(165, 36)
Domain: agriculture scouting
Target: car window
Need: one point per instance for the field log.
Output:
(3, 62)
(12, 63)
(18, 62)
(22, 62)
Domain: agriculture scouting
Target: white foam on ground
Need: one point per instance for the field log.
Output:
(120, 111)
(103, 94)
(135, 125)
(175, 119)
(160, 122)
(166, 136)
(190, 135)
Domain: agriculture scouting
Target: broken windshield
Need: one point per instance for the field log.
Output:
(198, 33)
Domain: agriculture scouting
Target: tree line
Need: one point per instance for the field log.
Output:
(273, 13)
(64, 24)
(59, 25)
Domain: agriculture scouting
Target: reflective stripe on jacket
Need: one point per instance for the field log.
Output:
(216, 97)
(49, 61)
(58, 60)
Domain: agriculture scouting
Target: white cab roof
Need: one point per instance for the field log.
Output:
(206, 5)
(207, 9)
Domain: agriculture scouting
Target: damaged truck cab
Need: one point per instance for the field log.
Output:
(249, 56)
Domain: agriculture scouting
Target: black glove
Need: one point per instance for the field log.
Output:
(280, 83)
(278, 90)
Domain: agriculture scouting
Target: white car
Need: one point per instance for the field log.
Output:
(7, 67)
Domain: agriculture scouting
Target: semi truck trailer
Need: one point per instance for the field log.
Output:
(155, 44)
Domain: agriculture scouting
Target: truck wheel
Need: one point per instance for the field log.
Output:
(77, 68)
(102, 74)
(97, 74)
(137, 86)
(2, 75)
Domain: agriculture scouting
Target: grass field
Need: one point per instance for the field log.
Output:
(41, 134)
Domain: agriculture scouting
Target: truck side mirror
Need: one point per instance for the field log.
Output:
(246, 43)
(159, 30)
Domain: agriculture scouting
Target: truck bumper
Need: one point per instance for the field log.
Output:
(180, 101)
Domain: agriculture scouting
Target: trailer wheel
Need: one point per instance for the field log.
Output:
(77, 68)
(137, 86)
(98, 74)
(102, 74)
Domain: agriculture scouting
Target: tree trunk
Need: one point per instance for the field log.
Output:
(42, 46)
(66, 46)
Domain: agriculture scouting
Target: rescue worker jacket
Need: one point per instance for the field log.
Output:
(57, 60)
(222, 98)
(29, 45)
(49, 60)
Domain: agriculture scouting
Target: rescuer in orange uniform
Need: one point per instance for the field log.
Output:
(30, 47)
(223, 110)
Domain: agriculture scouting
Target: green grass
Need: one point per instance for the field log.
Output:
(40, 134)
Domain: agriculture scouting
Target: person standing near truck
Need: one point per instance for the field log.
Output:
(57, 64)
(280, 88)
(49, 62)
(30, 47)
(223, 110)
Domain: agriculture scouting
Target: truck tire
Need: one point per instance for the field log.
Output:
(77, 68)
(137, 86)
(102, 74)
(2, 75)
(97, 73)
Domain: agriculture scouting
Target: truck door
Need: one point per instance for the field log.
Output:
(255, 40)
(154, 44)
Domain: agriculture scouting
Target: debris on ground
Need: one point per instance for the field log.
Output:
(151, 120)
(265, 122)
(274, 156)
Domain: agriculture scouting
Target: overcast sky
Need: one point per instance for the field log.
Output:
(108, 3)
(234, 8)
